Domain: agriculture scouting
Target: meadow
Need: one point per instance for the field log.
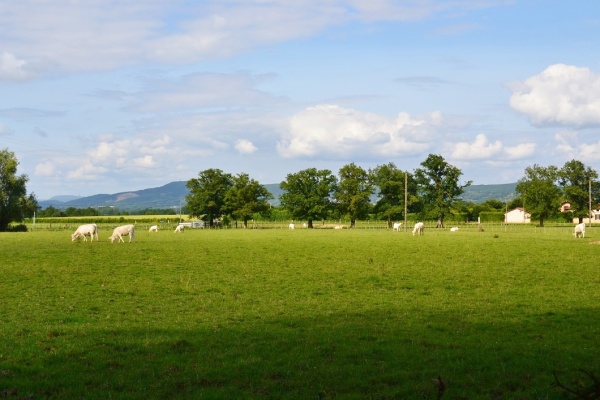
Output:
(302, 314)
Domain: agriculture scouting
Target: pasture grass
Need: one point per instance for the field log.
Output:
(303, 314)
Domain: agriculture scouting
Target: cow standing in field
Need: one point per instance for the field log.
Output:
(579, 230)
(419, 229)
(397, 226)
(90, 230)
(291, 227)
(120, 231)
(153, 228)
(179, 228)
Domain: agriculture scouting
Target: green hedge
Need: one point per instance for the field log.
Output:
(491, 216)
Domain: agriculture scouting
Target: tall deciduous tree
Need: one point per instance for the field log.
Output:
(574, 179)
(540, 192)
(308, 194)
(438, 187)
(391, 181)
(15, 204)
(245, 197)
(207, 194)
(353, 194)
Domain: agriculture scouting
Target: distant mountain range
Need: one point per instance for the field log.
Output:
(172, 195)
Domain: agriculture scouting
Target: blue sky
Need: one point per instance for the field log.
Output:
(105, 96)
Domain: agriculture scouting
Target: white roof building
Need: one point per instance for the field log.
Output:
(517, 216)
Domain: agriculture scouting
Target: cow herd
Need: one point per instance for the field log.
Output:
(91, 230)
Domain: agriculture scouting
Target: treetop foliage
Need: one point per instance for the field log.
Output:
(15, 204)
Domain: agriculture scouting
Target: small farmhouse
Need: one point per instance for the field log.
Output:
(565, 206)
(594, 220)
(517, 216)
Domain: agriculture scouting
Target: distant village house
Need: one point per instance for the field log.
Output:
(566, 207)
(517, 216)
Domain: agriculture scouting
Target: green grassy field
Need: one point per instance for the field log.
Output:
(303, 314)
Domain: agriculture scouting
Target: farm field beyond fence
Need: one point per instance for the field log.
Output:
(302, 314)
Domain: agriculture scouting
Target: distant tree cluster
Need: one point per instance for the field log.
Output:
(53, 212)
(215, 194)
(15, 204)
(544, 189)
(312, 194)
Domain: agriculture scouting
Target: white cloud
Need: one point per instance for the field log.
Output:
(493, 152)
(144, 162)
(569, 145)
(4, 130)
(86, 171)
(520, 151)
(481, 148)
(56, 35)
(12, 68)
(566, 142)
(561, 94)
(245, 146)
(335, 131)
(204, 91)
(45, 169)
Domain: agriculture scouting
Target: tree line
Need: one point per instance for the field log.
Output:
(314, 194)
(53, 212)
(430, 192)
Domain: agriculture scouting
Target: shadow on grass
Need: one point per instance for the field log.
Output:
(374, 356)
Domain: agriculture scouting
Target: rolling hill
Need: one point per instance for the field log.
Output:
(172, 195)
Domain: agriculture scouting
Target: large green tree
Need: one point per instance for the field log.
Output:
(15, 204)
(353, 194)
(574, 179)
(308, 194)
(438, 187)
(207, 194)
(539, 191)
(390, 182)
(246, 197)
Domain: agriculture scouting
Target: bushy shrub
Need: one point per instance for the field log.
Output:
(17, 228)
(491, 216)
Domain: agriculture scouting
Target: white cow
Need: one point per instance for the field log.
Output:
(153, 228)
(397, 226)
(86, 230)
(419, 229)
(291, 226)
(179, 228)
(579, 230)
(454, 229)
(120, 231)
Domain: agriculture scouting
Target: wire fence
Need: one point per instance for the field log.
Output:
(171, 224)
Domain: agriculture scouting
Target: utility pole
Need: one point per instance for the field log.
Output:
(590, 200)
(180, 210)
(405, 201)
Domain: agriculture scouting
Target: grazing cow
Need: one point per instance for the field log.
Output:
(579, 230)
(291, 226)
(454, 229)
(120, 231)
(86, 230)
(179, 228)
(397, 226)
(419, 229)
(153, 228)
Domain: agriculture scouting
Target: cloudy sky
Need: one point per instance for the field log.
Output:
(105, 96)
